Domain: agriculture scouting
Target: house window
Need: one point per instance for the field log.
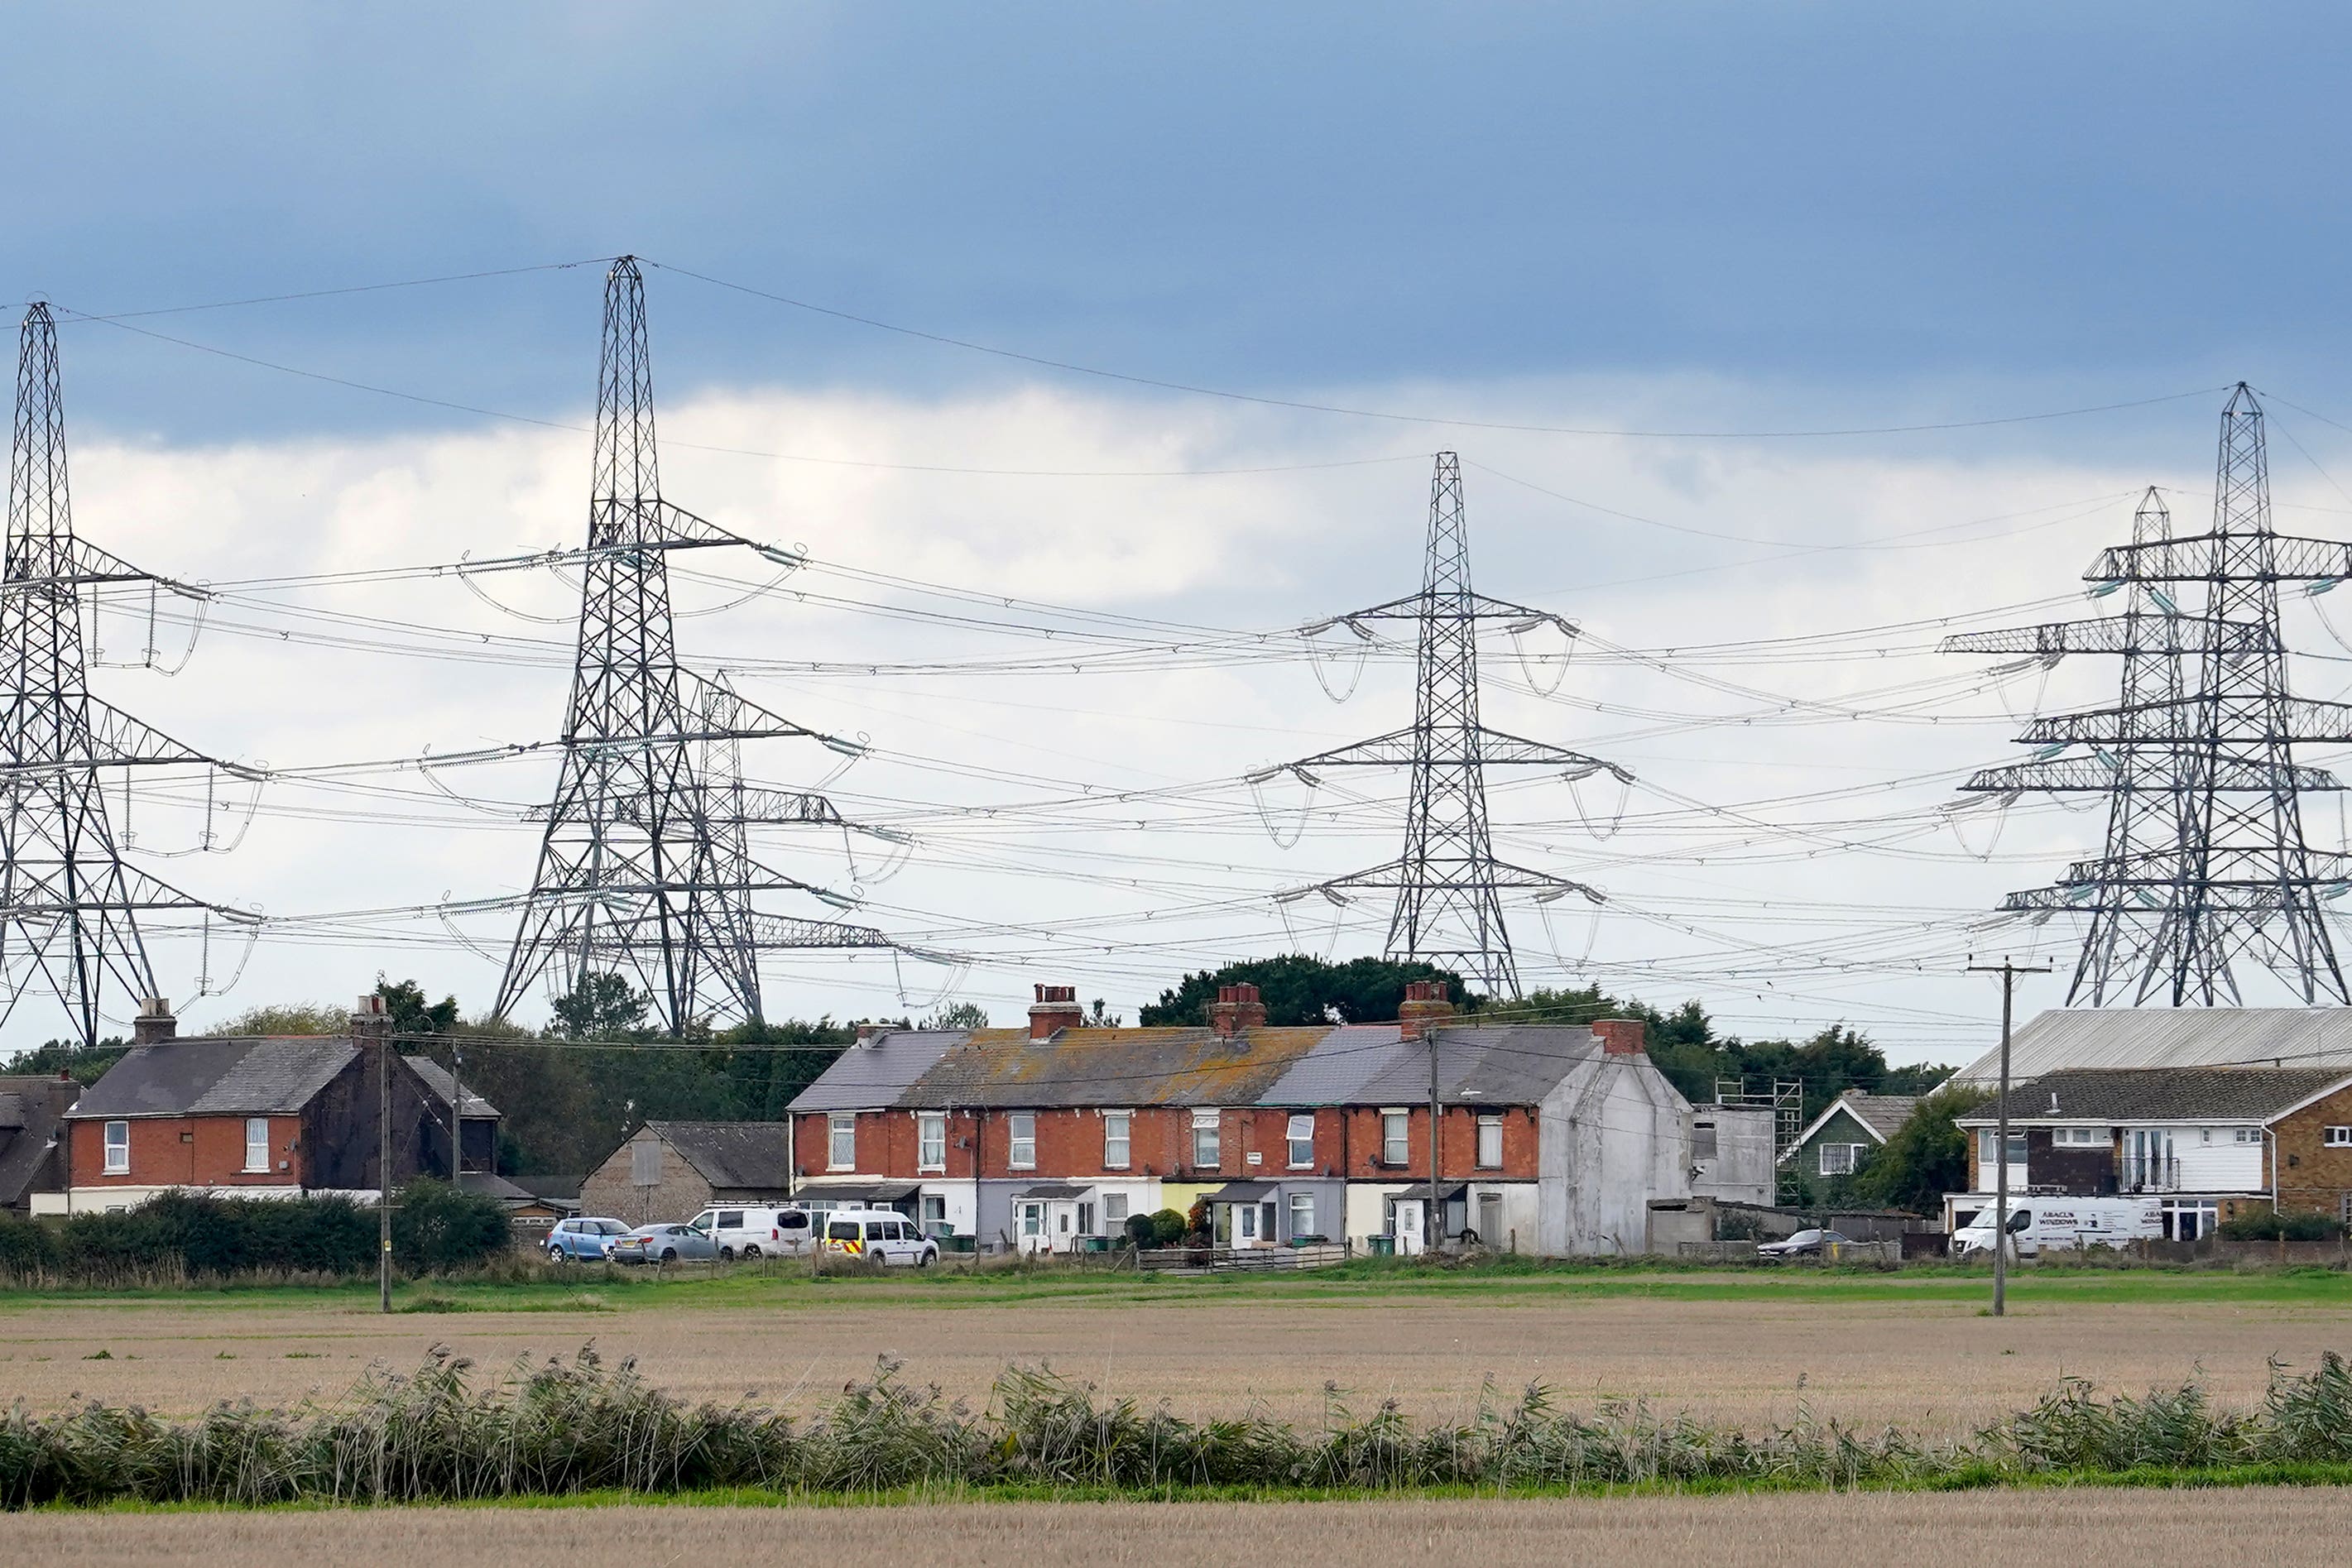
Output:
(1393, 1144)
(1837, 1159)
(2254, 1134)
(2339, 1137)
(1114, 1210)
(1703, 1141)
(2080, 1137)
(256, 1142)
(1490, 1142)
(1086, 1220)
(935, 1214)
(1207, 1148)
(1985, 1147)
(1302, 1142)
(118, 1148)
(1023, 1126)
(931, 1140)
(1118, 1131)
(1302, 1215)
(841, 1152)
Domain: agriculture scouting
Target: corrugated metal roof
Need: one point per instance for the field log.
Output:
(2067, 1038)
(877, 1075)
(2163, 1094)
(756, 1155)
(1364, 1065)
(236, 1077)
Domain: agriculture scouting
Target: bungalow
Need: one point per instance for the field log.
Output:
(672, 1170)
(1840, 1140)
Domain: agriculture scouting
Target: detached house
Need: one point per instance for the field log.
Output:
(2202, 1144)
(1552, 1138)
(1839, 1141)
(259, 1118)
(32, 1140)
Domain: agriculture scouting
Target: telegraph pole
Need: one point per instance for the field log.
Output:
(383, 1172)
(2008, 973)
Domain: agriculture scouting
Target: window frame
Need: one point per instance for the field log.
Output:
(839, 1124)
(1490, 1122)
(2080, 1138)
(1396, 1152)
(250, 1124)
(1118, 1134)
(117, 1165)
(1985, 1140)
(930, 1131)
(1208, 1122)
(1021, 1139)
(1845, 1165)
(1302, 1202)
(1290, 1136)
(2329, 1140)
(1110, 1220)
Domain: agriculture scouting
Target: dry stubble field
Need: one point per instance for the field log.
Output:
(2081, 1530)
(1933, 1366)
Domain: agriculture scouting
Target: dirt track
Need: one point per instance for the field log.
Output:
(2079, 1529)
(1937, 1367)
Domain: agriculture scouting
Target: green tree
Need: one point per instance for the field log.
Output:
(411, 1012)
(957, 1015)
(85, 1064)
(603, 1006)
(287, 1017)
(1924, 1159)
(1298, 990)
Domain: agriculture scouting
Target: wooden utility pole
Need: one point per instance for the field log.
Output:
(2008, 973)
(382, 1167)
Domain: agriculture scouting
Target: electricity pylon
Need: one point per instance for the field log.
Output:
(1449, 885)
(2205, 860)
(69, 907)
(644, 868)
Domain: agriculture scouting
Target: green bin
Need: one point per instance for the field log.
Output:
(1382, 1246)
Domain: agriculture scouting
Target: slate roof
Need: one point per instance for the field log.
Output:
(232, 1077)
(436, 1078)
(25, 1147)
(875, 1075)
(2168, 1094)
(2070, 1038)
(1367, 1064)
(733, 1154)
(1878, 1113)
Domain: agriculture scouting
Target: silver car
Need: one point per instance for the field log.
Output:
(661, 1244)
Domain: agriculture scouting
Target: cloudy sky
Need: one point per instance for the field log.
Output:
(1629, 263)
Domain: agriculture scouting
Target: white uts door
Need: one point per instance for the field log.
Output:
(1408, 1226)
(1029, 1225)
(1245, 1225)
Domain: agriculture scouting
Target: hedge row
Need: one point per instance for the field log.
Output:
(434, 1227)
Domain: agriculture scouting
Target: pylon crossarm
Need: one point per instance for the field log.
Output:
(1511, 750)
(2191, 561)
(2269, 720)
(728, 716)
(89, 567)
(2150, 634)
(1394, 877)
(1471, 606)
(132, 890)
(116, 740)
(2095, 775)
(784, 933)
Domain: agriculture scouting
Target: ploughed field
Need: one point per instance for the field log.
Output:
(1926, 1360)
(2094, 1529)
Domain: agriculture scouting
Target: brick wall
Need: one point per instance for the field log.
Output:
(609, 1194)
(187, 1151)
(2311, 1176)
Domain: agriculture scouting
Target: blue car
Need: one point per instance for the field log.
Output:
(583, 1240)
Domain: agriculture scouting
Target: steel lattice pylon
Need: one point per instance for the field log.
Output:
(2205, 860)
(644, 870)
(69, 907)
(1448, 884)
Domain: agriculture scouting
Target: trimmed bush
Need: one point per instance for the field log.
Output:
(2295, 1225)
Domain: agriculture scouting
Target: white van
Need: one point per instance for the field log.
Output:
(879, 1237)
(749, 1231)
(2038, 1224)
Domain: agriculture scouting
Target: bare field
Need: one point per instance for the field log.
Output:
(2083, 1528)
(1936, 1367)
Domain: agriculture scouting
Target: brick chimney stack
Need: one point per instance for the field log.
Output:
(1619, 1036)
(1055, 1009)
(154, 1023)
(1426, 1007)
(1236, 1010)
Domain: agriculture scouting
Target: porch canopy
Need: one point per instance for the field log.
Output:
(1243, 1192)
(880, 1195)
(1056, 1189)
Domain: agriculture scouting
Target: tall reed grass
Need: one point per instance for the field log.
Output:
(583, 1425)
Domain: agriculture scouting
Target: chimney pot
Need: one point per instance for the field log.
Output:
(155, 1022)
(1619, 1037)
(1236, 1010)
(1426, 1007)
(1055, 1009)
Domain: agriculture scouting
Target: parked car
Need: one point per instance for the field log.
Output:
(583, 1239)
(750, 1230)
(662, 1244)
(880, 1237)
(1807, 1243)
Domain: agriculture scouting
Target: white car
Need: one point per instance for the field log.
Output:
(750, 1230)
(880, 1237)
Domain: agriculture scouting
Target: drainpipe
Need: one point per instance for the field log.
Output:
(2270, 1137)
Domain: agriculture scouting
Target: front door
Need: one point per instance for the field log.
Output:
(1245, 1225)
(1029, 1225)
(1406, 1226)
